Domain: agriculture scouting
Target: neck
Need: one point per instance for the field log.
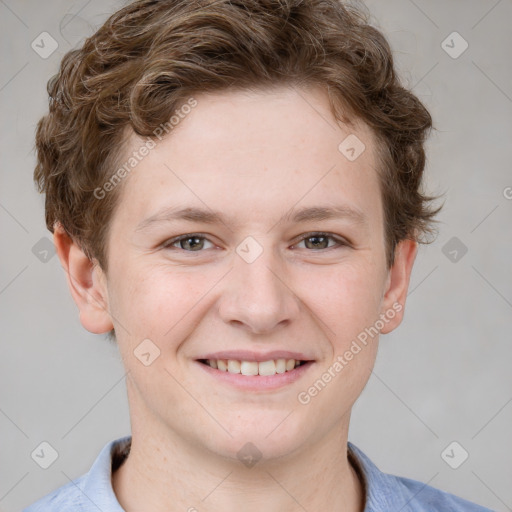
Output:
(164, 473)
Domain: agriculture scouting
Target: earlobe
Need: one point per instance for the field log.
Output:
(86, 282)
(393, 305)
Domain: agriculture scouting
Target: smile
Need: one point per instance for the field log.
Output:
(252, 368)
(255, 376)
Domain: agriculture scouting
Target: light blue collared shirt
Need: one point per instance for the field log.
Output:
(93, 491)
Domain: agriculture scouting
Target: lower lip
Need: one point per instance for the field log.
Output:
(257, 382)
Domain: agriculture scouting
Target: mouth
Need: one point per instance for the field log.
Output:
(253, 368)
(255, 376)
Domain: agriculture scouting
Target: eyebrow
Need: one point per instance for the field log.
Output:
(313, 213)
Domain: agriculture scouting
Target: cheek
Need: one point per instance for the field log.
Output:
(347, 298)
(162, 304)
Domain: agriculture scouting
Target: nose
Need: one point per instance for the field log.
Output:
(257, 297)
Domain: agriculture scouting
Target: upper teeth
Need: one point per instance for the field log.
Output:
(270, 367)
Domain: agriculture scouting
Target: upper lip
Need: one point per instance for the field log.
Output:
(247, 355)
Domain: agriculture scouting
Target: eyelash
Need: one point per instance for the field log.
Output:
(340, 242)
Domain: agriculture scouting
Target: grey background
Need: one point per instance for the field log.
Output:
(443, 376)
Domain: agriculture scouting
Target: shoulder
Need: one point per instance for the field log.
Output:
(69, 497)
(92, 491)
(421, 497)
(385, 492)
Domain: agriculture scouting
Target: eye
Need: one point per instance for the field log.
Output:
(192, 242)
(319, 240)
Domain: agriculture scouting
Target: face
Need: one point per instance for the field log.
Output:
(264, 273)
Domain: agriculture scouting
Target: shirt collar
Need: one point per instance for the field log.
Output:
(98, 482)
(382, 490)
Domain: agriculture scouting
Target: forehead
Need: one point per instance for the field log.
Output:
(264, 150)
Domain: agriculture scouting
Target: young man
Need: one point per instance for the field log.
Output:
(234, 191)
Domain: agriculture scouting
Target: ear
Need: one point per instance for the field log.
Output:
(86, 282)
(397, 284)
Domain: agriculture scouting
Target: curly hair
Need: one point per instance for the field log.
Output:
(152, 56)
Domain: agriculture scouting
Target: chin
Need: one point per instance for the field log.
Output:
(264, 438)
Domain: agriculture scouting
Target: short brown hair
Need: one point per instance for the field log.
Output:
(152, 55)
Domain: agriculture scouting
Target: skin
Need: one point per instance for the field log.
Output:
(252, 156)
